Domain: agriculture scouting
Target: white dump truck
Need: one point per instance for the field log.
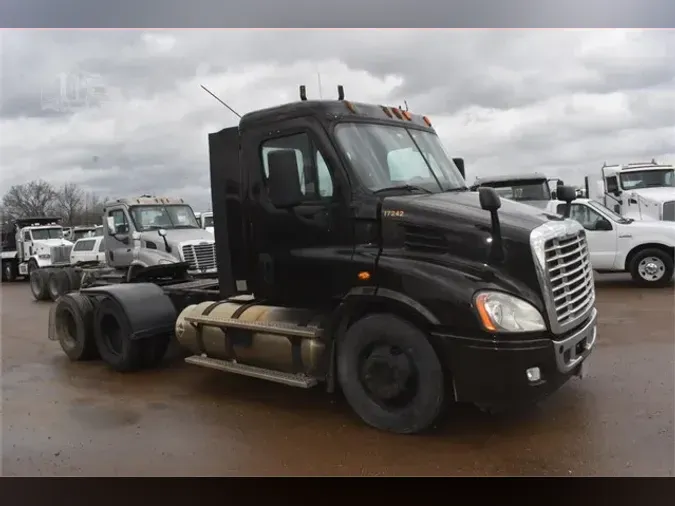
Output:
(31, 244)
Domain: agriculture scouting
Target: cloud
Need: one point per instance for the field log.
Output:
(560, 101)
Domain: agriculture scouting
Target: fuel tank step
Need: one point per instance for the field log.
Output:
(293, 380)
(283, 329)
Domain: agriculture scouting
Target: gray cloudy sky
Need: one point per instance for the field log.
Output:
(556, 101)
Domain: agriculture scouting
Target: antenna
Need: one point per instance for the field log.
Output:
(406, 105)
(214, 96)
(303, 92)
(318, 78)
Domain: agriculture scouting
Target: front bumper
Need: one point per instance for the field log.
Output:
(493, 371)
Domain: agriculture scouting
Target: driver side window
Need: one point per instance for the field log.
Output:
(119, 219)
(316, 181)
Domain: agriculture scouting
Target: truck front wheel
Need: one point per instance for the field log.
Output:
(390, 374)
(652, 267)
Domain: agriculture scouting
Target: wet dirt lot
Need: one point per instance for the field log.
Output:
(60, 418)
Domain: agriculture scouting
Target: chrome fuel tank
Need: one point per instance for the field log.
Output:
(257, 348)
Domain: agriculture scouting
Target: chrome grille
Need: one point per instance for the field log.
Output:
(669, 211)
(201, 257)
(60, 254)
(570, 274)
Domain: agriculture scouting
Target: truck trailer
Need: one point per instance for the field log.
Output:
(351, 254)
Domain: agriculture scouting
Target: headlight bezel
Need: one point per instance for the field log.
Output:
(520, 309)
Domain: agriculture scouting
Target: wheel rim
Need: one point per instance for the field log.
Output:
(388, 375)
(67, 329)
(54, 287)
(651, 269)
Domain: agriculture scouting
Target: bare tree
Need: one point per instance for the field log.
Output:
(35, 198)
(69, 203)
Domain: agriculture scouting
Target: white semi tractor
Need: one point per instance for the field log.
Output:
(641, 191)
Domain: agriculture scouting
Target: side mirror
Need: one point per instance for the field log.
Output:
(122, 229)
(616, 193)
(459, 162)
(489, 198)
(566, 193)
(603, 225)
(284, 181)
(162, 232)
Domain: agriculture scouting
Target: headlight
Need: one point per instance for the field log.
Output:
(44, 256)
(164, 262)
(499, 312)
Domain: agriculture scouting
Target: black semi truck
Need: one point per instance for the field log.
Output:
(352, 254)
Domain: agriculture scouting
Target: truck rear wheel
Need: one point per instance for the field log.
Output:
(390, 374)
(73, 325)
(652, 267)
(38, 284)
(113, 338)
(58, 283)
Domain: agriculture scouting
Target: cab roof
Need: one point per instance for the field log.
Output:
(146, 200)
(335, 110)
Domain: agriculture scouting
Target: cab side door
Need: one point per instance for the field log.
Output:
(303, 254)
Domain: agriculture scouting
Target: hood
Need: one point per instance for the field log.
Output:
(48, 243)
(541, 204)
(209, 229)
(655, 194)
(454, 225)
(176, 236)
(463, 209)
(657, 226)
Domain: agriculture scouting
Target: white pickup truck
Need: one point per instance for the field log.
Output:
(643, 248)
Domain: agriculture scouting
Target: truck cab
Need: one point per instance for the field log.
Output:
(145, 231)
(351, 230)
(642, 191)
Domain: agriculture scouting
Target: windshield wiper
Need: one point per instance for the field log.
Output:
(408, 187)
(458, 189)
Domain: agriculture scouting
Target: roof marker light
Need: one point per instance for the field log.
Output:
(386, 111)
(396, 112)
(427, 121)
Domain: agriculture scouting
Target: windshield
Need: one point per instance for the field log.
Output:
(168, 217)
(519, 192)
(612, 214)
(647, 179)
(42, 234)
(208, 221)
(384, 156)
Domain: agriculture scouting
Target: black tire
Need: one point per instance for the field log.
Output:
(32, 266)
(420, 409)
(75, 278)
(9, 272)
(660, 268)
(73, 327)
(112, 332)
(58, 283)
(38, 284)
